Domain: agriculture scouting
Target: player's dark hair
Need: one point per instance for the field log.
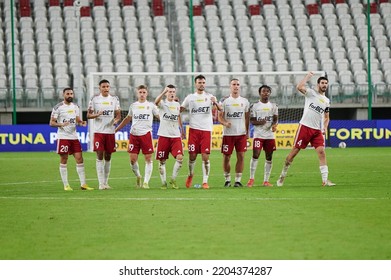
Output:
(171, 86)
(321, 79)
(67, 88)
(199, 77)
(104, 82)
(264, 86)
(142, 87)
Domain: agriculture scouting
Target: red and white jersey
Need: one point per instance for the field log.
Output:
(234, 110)
(314, 108)
(142, 117)
(263, 111)
(108, 105)
(66, 113)
(199, 107)
(169, 113)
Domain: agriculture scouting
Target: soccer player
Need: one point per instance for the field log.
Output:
(199, 106)
(234, 116)
(105, 109)
(141, 115)
(264, 118)
(65, 116)
(170, 132)
(313, 125)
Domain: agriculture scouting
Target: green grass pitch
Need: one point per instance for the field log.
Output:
(300, 221)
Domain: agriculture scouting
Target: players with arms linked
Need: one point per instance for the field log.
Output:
(170, 135)
(234, 116)
(105, 110)
(65, 116)
(199, 106)
(141, 115)
(264, 118)
(312, 128)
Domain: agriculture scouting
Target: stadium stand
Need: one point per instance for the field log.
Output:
(230, 35)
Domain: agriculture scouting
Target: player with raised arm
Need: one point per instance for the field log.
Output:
(199, 106)
(65, 116)
(105, 109)
(264, 118)
(170, 135)
(141, 115)
(312, 128)
(234, 116)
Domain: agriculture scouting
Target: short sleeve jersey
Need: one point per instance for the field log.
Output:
(169, 113)
(314, 108)
(264, 111)
(234, 110)
(108, 105)
(199, 107)
(66, 113)
(142, 117)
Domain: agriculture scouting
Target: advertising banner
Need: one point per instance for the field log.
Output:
(285, 135)
(24, 138)
(375, 133)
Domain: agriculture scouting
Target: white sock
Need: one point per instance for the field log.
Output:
(177, 167)
(136, 170)
(238, 177)
(107, 171)
(253, 167)
(100, 170)
(64, 174)
(205, 171)
(268, 170)
(191, 167)
(284, 171)
(148, 171)
(81, 172)
(324, 171)
(227, 176)
(162, 172)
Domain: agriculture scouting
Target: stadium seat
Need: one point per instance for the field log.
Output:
(229, 34)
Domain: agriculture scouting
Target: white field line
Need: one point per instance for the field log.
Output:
(194, 199)
(132, 179)
(56, 181)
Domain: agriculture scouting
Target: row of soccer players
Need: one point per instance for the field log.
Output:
(234, 113)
